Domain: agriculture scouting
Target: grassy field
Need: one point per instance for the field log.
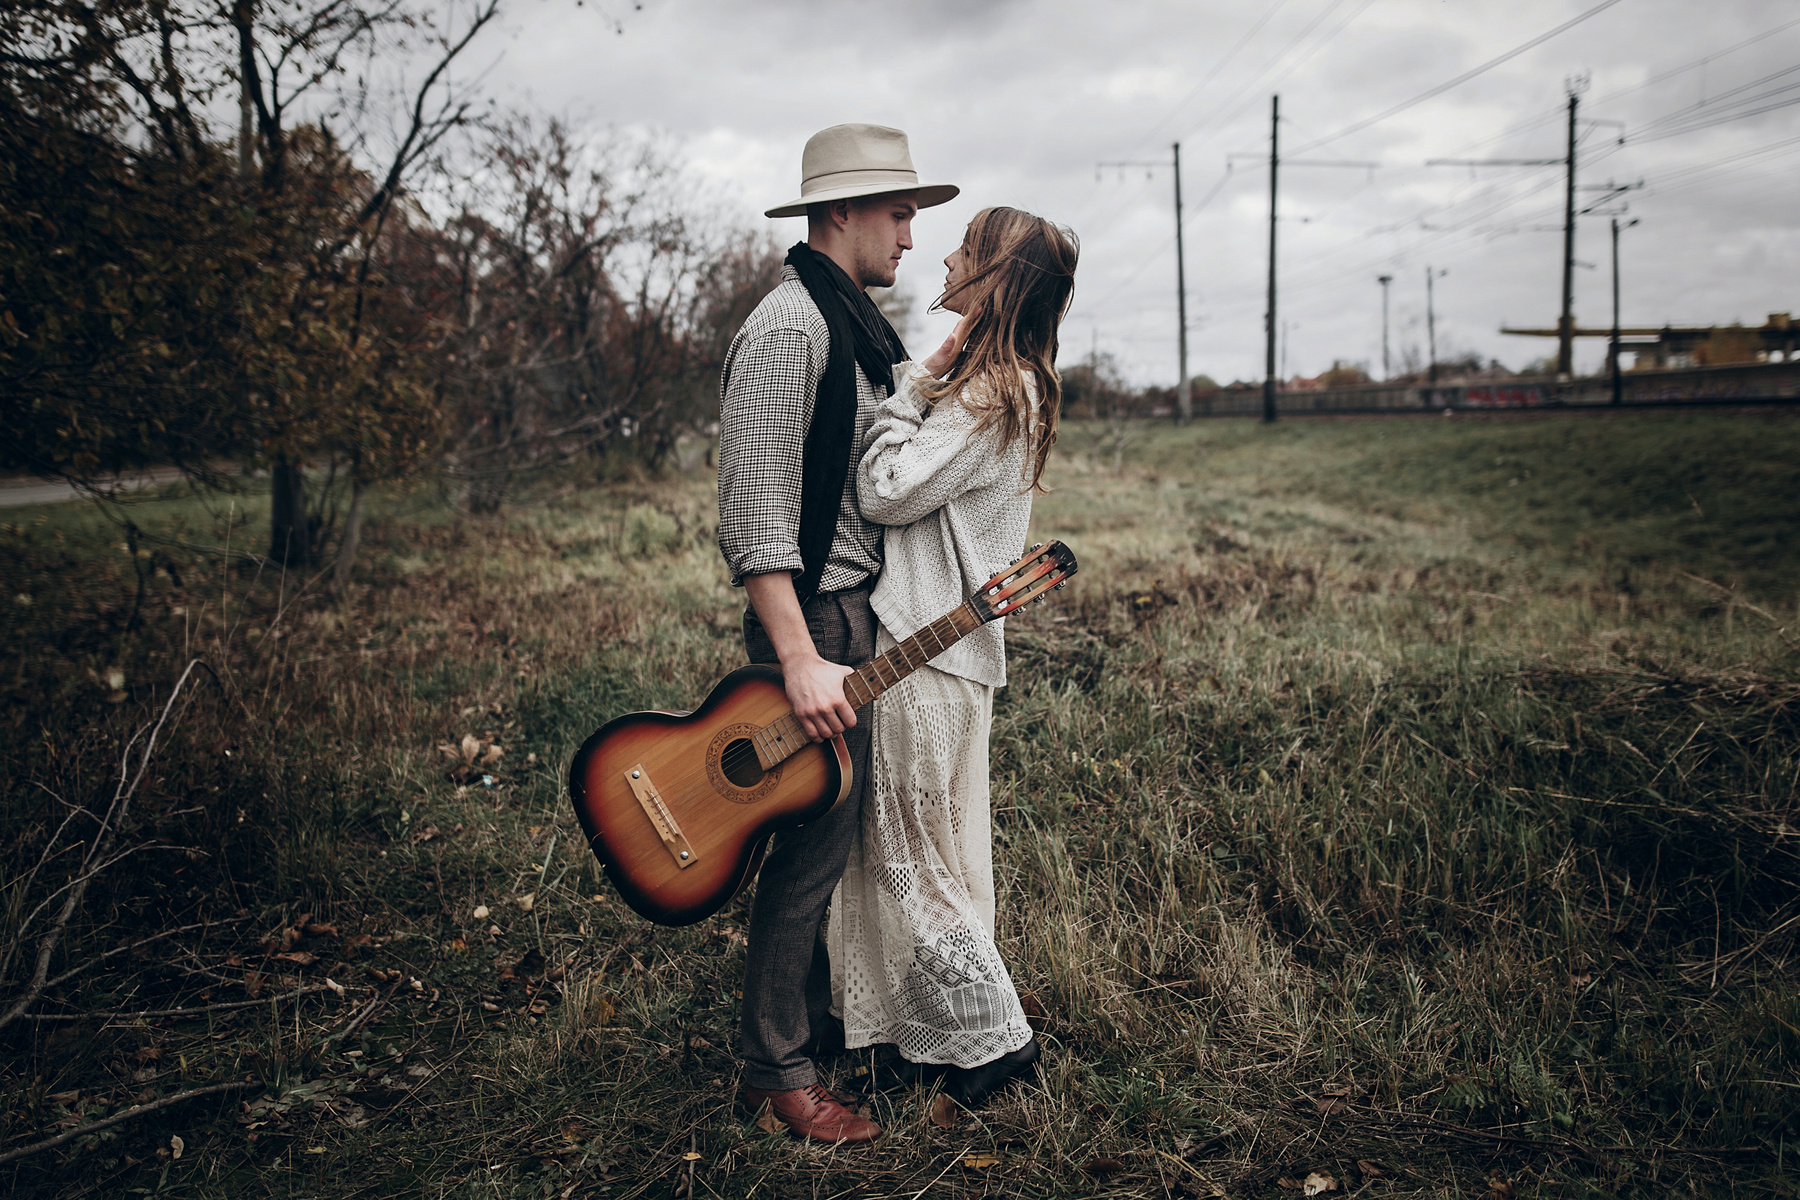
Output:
(1409, 802)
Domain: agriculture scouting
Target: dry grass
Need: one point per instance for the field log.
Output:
(1354, 814)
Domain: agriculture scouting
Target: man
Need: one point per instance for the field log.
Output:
(801, 384)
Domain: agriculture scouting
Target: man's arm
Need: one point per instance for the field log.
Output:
(815, 687)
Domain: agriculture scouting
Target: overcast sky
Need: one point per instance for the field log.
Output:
(1017, 100)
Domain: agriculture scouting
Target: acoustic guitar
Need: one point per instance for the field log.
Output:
(679, 806)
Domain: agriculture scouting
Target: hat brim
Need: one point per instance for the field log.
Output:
(930, 196)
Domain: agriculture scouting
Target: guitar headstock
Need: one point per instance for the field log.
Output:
(1045, 566)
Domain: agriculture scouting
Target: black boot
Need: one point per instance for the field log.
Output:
(971, 1086)
(894, 1073)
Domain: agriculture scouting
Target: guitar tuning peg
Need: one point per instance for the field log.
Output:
(1036, 547)
(1060, 584)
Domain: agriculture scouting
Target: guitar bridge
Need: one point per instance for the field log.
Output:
(661, 819)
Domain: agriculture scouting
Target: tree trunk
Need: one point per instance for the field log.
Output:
(290, 532)
(352, 539)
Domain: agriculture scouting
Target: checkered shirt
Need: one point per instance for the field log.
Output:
(770, 381)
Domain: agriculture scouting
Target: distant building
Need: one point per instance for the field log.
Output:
(1674, 347)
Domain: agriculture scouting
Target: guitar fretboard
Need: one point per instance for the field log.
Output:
(783, 737)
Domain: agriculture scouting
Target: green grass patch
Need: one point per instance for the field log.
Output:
(1411, 802)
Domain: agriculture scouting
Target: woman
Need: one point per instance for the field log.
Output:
(950, 466)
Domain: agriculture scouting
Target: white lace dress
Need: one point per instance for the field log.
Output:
(911, 936)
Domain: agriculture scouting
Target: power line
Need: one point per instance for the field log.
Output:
(1662, 77)
(1440, 89)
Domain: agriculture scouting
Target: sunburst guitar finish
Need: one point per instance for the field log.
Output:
(679, 807)
(689, 760)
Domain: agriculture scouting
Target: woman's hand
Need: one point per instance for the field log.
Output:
(942, 358)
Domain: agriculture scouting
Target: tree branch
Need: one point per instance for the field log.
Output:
(115, 816)
(195, 1010)
(136, 1110)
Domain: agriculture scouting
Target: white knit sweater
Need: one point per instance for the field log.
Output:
(957, 506)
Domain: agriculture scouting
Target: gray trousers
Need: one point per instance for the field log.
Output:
(787, 974)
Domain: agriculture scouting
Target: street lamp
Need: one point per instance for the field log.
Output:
(1431, 320)
(1618, 388)
(1384, 280)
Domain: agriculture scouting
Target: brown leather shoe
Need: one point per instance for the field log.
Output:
(810, 1112)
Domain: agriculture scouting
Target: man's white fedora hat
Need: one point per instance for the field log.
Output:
(858, 160)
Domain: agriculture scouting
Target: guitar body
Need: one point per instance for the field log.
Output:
(697, 795)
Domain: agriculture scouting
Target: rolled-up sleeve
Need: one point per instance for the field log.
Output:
(765, 407)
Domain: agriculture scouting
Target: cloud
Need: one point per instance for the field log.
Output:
(1018, 100)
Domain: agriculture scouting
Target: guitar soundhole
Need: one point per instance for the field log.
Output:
(740, 763)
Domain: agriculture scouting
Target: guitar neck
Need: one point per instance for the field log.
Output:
(884, 671)
(784, 737)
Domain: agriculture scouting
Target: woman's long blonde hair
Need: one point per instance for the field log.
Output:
(1020, 277)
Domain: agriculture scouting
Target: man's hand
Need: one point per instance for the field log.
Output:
(816, 690)
(815, 687)
(945, 355)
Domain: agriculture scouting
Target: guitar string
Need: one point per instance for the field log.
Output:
(874, 668)
(741, 751)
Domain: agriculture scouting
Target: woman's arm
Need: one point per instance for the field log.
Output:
(913, 464)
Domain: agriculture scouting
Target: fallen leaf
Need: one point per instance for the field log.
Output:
(425, 833)
(527, 901)
(573, 1130)
(176, 1146)
(1500, 1188)
(1370, 1170)
(493, 755)
(481, 912)
(980, 1162)
(1317, 1183)
(459, 946)
(1100, 1168)
(943, 1112)
(690, 1156)
(1338, 1089)
(301, 958)
(64, 1097)
(768, 1122)
(470, 747)
(1329, 1106)
(319, 929)
(148, 1054)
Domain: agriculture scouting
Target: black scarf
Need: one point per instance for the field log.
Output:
(860, 335)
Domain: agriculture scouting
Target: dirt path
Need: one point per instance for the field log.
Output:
(20, 493)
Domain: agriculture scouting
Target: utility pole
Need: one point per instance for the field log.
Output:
(1185, 403)
(1565, 325)
(1269, 319)
(1384, 280)
(1184, 392)
(1431, 322)
(1612, 353)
